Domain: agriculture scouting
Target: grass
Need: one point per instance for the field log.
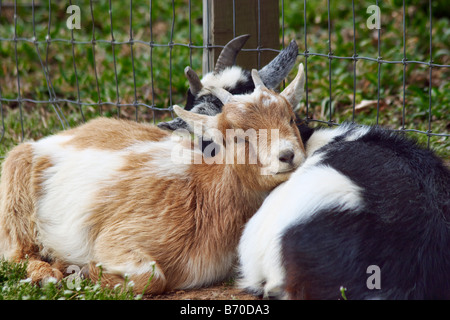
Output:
(14, 285)
(390, 110)
(28, 120)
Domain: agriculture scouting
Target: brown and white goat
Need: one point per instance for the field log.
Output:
(107, 192)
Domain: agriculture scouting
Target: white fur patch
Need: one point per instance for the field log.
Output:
(269, 99)
(257, 239)
(69, 187)
(132, 268)
(322, 137)
(228, 78)
(310, 189)
(163, 164)
(357, 133)
(71, 184)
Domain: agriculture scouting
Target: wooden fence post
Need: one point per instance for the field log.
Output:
(259, 18)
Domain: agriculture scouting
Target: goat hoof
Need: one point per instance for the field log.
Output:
(273, 294)
(41, 272)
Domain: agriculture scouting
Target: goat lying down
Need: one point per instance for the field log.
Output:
(232, 78)
(235, 80)
(369, 210)
(364, 197)
(107, 192)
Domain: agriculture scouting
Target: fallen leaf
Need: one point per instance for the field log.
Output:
(365, 104)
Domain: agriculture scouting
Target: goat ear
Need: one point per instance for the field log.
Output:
(294, 91)
(200, 124)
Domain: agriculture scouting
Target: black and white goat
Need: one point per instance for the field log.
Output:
(232, 78)
(368, 211)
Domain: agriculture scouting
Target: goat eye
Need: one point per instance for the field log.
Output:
(292, 121)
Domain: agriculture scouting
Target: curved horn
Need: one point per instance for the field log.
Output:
(227, 57)
(278, 69)
(257, 80)
(194, 81)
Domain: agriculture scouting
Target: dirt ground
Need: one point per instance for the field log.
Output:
(216, 292)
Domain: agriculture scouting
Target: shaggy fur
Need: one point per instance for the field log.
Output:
(107, 192)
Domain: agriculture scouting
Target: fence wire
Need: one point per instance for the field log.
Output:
(17, 93)
(379, 60)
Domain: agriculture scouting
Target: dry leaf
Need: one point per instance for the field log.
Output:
(365, 104)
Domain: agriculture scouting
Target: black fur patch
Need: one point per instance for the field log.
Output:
(305, 130)
(403, 226)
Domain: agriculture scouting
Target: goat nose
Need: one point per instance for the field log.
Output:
(287, 156)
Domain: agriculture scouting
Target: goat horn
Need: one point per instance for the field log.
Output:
(278, 69)
(227, 57)
(223, 95)
(257, 80)
(194, 81)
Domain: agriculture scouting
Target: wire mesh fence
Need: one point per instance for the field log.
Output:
(379, 60)
(127, 60)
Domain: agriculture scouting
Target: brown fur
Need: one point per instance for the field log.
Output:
(191, 224)
(188, 224)
(261, 115)
(101, 133)
(17, 207)
(20, 188)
